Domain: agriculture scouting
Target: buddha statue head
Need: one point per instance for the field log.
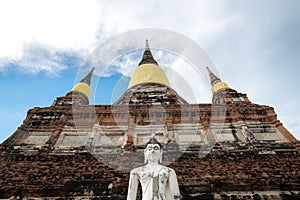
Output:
(153, 151)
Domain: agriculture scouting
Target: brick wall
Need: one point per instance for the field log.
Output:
(45, 175)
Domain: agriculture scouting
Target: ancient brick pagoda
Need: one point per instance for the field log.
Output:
(229, 149)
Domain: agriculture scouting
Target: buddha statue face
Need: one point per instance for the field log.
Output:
(153, 153)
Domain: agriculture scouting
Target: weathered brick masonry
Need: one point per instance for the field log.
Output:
(229, 149)
(81, 174)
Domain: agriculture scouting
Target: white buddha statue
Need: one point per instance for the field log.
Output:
(158, 182)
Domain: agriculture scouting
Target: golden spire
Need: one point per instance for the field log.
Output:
(148, 71)
(216, 82)
(147, 56)
(147, 48)
(84, 85)
(87, 78)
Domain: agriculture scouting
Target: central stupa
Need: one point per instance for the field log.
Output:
(148, 71)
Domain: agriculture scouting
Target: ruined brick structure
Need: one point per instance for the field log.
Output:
(229, 149)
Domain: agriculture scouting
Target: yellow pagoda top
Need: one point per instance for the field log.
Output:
(216, 83)
(148, 71)
(84, 85)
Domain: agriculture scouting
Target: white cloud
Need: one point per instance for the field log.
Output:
(64, 24)
(188, 82)
(80, 25)
(42, 58)
(58, 26)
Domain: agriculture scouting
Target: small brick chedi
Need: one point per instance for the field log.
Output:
(228, 149)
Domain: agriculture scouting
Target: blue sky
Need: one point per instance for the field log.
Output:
(254, 44)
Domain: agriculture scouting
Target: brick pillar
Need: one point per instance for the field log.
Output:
(210, 136)
(129, 141)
